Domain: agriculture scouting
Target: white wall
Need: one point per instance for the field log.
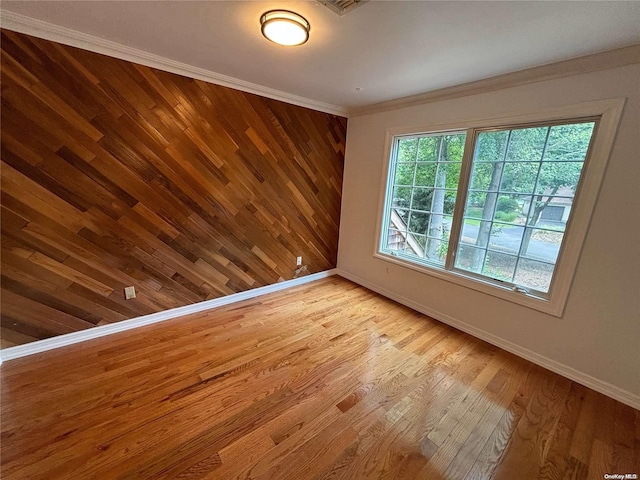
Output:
(597, 341)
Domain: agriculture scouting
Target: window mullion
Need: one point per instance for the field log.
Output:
(461, 198)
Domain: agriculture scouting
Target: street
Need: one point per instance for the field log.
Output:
(510, 237)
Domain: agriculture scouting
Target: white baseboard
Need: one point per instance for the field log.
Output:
(571, 373)
(101, 331)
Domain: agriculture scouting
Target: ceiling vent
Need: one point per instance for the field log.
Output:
(341, 7)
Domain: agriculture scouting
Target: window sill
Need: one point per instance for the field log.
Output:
(550, 306)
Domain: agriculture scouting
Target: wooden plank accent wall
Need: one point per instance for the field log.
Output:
(116, 174)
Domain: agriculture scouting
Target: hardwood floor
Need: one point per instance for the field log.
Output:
(324, 381)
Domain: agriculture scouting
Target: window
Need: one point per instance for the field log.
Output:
(425, 183)
(492, 207)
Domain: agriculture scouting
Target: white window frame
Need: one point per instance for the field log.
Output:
(607, 113)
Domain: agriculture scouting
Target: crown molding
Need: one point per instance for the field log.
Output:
(619, 57)
(590, 63)
(48, 31)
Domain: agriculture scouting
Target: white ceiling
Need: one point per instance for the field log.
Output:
(389, 49)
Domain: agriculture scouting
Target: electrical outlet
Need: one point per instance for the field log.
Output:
(129, 293)
(299, 261)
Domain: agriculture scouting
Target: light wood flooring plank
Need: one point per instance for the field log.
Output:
(323, 381)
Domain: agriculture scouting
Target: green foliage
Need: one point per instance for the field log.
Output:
(425, 174)
(428, 149)
(422, 198)
(455, 147)
(491, 146)
(443, 249)
(404, 173)
(560, 168)
(519, 177)
(527, 144)
(407, 149)
(427, 152)
(507, 205)
(528, 164)
(419, 222)
(538, 163)
(401, 197)
(425, 167)
(449, 175)
(506, 217)
(568, 143)
(475, 212)
(449, 203)
(554, 175)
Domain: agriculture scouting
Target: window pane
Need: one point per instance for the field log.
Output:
(407, 149)
(491, 146)
(453, 148)
(440, 226)
(422, 198)
(481, 176)
(519, 177)
(527, 144)
(475, 204)
(448, 175)
(395, 240)
(542, 244)
(413, 246)
(436, 251)
(417, 243)
(568, 143)
(470, 258)
(532, 274)
(559, 178)
(449, 201)
(426, 174)
(512, 208)
(443, 201)
(476, 232)
(401, 197)
(500, 266)
(404, 173)
(506, 238)
(428, 149)
(399, 218)
(418, 222)
(519, 203)
(551, 212)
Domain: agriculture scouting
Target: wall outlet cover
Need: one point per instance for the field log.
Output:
(129, 293)
(299, 261)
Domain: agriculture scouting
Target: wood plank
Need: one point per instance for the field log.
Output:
(244, 392)
(116, 174)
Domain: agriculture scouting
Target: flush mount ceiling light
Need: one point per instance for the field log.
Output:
(284, 27)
